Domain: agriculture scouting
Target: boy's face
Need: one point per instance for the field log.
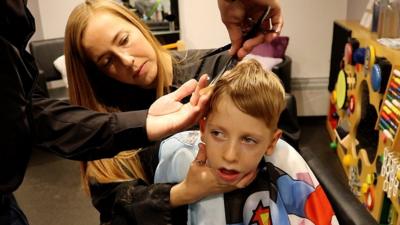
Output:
(235, 141)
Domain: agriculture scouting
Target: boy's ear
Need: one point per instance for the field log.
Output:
(275, 138)
(202, 124)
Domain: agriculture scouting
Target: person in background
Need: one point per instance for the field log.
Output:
(29, 119)
(239, 135)
(238, 17)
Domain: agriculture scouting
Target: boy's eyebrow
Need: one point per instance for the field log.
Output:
(245, 133)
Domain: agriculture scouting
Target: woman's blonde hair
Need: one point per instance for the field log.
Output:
(255, 91)
(85, 80)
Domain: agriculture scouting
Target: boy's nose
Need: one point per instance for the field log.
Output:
(230, 153)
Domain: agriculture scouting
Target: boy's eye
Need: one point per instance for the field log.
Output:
(217, 133)
(249, 140)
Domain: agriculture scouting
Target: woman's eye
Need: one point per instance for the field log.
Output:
(249, 140)
(124, 40)
(106, 62)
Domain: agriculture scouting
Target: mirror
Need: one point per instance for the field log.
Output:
(159, 15)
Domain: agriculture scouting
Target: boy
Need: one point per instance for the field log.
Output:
(241, 136)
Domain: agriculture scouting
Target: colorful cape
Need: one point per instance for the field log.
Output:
(285, 190)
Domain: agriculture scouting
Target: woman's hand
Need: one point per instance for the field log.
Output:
(235, 14)
(201, 182)
(168, 115)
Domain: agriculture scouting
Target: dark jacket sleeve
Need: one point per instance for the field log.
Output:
(15, 132)
(146, 205)
(16, 80)
(78, 133)
(137, 202)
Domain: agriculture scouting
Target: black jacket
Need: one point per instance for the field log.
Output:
(136, 202)
(28, 119)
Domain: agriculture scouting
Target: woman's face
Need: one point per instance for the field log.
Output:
(120, 50)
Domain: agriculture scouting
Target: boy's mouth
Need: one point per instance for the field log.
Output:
(228, 175)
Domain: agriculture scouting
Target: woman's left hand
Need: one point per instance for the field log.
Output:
(168, 115)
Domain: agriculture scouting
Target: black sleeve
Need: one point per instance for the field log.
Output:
(78, 133)
(136, 203)
(15, 133)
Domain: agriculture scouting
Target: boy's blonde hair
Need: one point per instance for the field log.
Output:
(253, 90)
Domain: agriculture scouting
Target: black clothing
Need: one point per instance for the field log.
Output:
(135, 202)
(10, 213)
(29, 119)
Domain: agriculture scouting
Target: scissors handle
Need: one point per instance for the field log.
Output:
(252, 33)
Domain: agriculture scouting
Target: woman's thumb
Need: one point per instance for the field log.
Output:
(202, 154)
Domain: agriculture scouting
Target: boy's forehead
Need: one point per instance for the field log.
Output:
(224, 111)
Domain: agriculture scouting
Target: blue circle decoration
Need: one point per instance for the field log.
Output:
(359, 56)
(376, 77)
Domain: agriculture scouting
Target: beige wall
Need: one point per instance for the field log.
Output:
(356, 8)
(33, 6)
(51, 16)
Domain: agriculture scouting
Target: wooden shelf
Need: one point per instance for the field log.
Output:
(366, 99)
(368, 38)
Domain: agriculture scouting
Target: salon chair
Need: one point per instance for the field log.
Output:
(45, 52)
(284, 72)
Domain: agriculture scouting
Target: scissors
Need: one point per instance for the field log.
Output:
(233, 59)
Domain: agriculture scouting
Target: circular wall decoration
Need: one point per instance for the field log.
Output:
(341, 89)
(359, 56)
(352, 103)
(369, 58)
(348, 53)
(376, 77)
(369, 198)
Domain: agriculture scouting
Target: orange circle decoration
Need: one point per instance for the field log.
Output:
(348, 160)
(352, 103)
(370, 198)
(341, 89)
(348, 53)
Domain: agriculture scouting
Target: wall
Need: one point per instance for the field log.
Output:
(355, 9)
(33, 6)
(201, 26)
(51, 16)
(309, 24)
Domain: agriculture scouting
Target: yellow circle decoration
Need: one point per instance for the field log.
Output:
(341, 90)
